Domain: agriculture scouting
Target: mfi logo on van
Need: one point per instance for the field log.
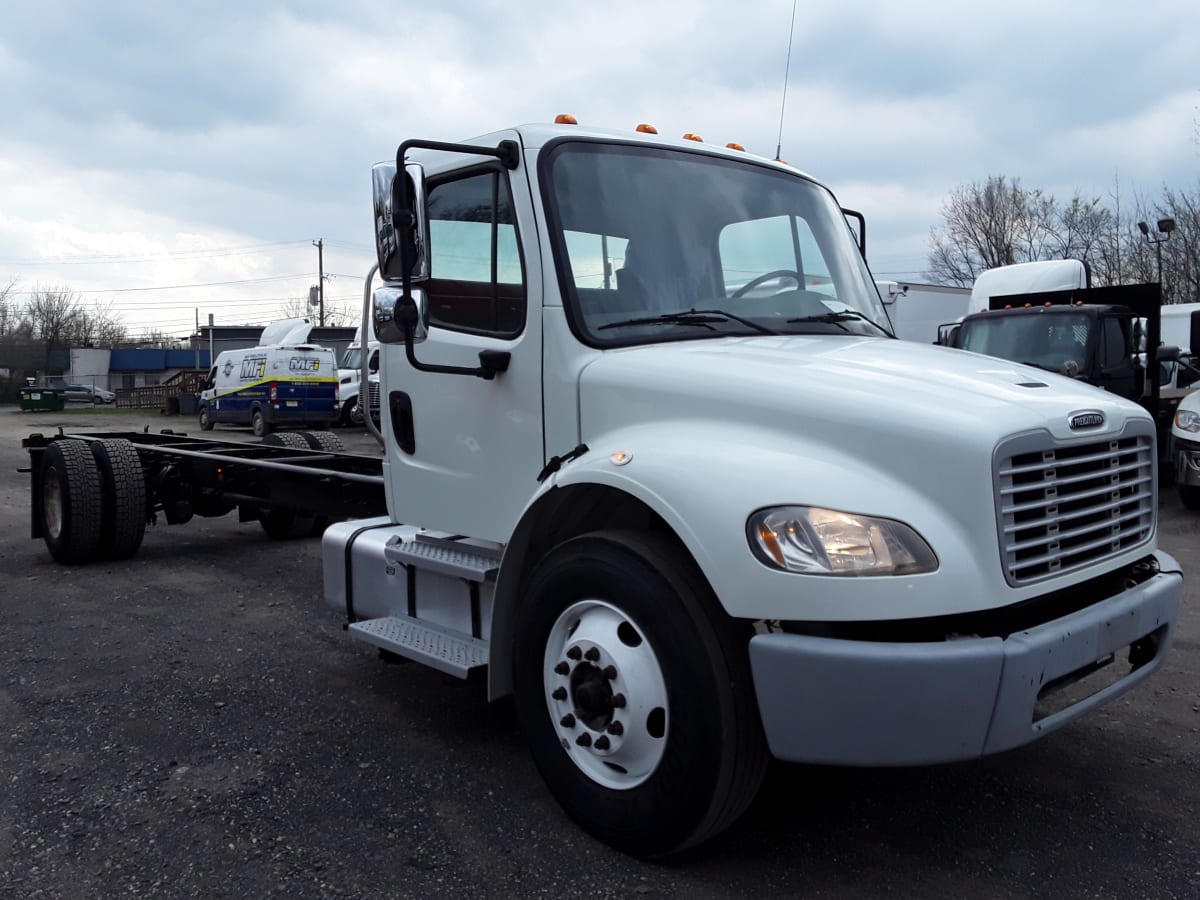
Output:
(304, 364)
(254, 367)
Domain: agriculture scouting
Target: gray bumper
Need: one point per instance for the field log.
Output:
(846, 702)
(1187, 463)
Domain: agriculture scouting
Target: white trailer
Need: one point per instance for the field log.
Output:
(916, 310)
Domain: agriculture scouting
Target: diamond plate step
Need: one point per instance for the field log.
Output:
(442, 648)
(445, 557)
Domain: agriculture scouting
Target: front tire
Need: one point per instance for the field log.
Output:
(206, 422)
(634, 690)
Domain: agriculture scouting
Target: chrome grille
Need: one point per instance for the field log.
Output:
(373, 396)
(1064, 506)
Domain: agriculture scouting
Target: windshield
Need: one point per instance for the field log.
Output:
(1048, 340)
(352, 359)
(658, 245)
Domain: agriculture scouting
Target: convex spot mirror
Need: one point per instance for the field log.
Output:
(400, 216)
(393, 311)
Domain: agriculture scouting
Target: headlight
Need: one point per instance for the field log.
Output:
(1186, 420)
(819, 541)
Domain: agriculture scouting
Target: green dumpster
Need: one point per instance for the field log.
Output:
(37, 399)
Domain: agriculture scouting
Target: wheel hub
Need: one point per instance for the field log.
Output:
(606, 694)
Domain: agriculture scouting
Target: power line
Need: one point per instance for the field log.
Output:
(167, 255)
(176, 287)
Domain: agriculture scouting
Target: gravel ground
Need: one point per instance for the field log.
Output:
(194, 723)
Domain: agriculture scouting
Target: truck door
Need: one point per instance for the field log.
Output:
(474, 446)
(1119, 371)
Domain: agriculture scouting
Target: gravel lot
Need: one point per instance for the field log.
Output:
(194, 723)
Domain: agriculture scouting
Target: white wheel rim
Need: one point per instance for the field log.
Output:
(606, 694)
(52, 503)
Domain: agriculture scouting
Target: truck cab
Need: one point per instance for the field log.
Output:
(657, 468)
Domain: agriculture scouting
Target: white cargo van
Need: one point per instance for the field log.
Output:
(283, 382)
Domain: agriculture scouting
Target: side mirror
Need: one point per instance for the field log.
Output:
(1168, 354)
(393, 312)
(400, 215)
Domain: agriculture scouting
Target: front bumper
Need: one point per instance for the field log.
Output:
(1187, 462)
(868, 703)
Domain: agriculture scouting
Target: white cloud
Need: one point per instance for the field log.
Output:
(141, 132)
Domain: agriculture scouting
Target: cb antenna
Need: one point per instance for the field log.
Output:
(786, 69)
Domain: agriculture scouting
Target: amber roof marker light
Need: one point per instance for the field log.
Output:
(565, 119)
(644, 128)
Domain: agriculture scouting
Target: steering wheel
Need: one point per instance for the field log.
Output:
(765, 277)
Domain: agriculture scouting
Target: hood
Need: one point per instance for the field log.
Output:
(864, 384)
(920, 415)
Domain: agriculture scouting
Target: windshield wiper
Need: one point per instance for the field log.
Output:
(837, 318)
(702, 317)
(1044, 368)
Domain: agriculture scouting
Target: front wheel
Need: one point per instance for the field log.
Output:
(206, 422)
(634, 690)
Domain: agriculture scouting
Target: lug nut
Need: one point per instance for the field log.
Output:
(618, 701)
(616, 728)
(584, 740)
(601, 742)
(567, 721)
(610, 672)
(574, 653)
(592, 655)
(560, 693)
(563, 668)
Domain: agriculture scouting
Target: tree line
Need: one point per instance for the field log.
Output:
(998, 222)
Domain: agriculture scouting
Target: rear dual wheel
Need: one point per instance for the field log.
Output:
(286, 524)
(93, 502)
(634, 690)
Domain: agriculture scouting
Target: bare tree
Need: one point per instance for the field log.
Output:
(8, 316)
(336, 312)
(998, 223)
(51, 313)
(984, 225)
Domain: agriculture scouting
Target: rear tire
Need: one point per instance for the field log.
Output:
(1190, 495)
(287, 524)
(71, 504)
(123, 498)
(621, 629)
(259, 424)
(324, 441)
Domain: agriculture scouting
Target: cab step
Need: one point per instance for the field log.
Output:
(446, 557)
(444, 649)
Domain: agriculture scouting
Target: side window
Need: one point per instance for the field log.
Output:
(1114, 343)
(477, 278)
(784, 244)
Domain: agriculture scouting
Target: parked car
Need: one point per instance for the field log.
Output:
(86, 393)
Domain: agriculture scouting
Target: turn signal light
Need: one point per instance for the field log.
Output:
(565, 119)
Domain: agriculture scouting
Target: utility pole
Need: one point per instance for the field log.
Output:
(320, 245)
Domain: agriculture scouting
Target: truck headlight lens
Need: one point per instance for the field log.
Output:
(1186, 420)
(818, 541)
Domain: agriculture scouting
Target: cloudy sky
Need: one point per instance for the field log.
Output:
(169, 158)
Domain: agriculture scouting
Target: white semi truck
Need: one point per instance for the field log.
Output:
(357, 358)
(688, 503)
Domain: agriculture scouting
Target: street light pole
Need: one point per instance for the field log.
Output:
(1165, 227)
